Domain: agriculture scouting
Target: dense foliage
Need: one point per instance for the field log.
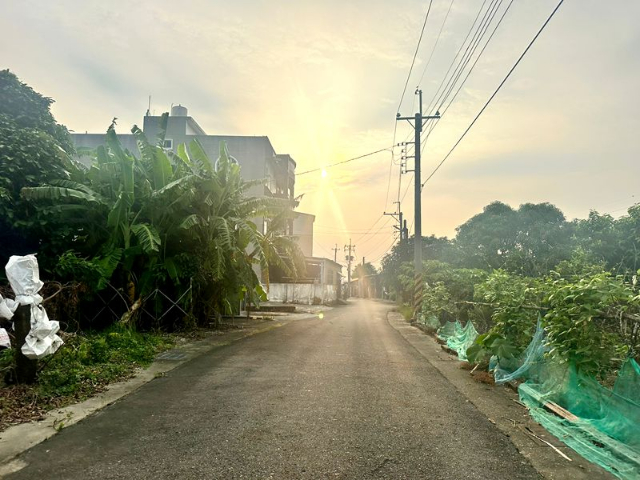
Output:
(33, 149)
(133, 224)
(362, 270)
(507, 269)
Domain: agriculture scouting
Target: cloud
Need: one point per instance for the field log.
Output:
(323, 81)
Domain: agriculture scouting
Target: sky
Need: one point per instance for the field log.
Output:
(324, 79)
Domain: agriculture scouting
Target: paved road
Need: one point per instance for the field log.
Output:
(342, 397)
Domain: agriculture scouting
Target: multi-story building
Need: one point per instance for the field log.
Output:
(255, 155)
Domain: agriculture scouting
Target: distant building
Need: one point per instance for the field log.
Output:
(303, 231)
(258, 161)
(257, 158)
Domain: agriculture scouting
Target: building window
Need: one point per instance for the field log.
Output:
(167, 144)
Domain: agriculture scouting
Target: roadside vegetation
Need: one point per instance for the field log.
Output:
(507, 269)
(127, 243)
(84, 366)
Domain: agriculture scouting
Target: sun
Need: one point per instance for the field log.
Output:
(324, 173)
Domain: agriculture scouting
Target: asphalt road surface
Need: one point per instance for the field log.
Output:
(340, 397)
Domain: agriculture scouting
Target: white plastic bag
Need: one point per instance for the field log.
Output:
(7, 307)
(24, 278)
(5, 341)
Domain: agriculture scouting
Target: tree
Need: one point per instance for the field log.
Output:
(34, 150)
(364, 270)
(487, 239)
(529, 241)
(543, 239)
(165, 220)
(433, 248)
(628, 229)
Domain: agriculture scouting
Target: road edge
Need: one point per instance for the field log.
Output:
(18, 439)
(501, 407)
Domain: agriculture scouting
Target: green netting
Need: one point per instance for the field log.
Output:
(447, 330)
(628, 382)
(458, 338)
(523, 366)
(606, 426)
(603, 425)
(430, 321)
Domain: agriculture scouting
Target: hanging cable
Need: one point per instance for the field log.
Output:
(435, 45)
(443, 112)
(415, 54)
(495, 92)
(331, 165)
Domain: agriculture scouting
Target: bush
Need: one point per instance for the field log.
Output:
(86, 363)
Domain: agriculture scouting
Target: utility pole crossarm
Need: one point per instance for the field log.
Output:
(424, 117)
(398, 217)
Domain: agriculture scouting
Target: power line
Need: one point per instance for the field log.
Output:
(415, 54)
(325, 234)
(371, 227)
(407, 189)
(376, 232)
(470, 51)
(323, 248)
(429, 108)
(377, 245)
(496, 92)
(379, 257)
(386, 198)
(433, 126)
(446, 75)
(435, 45)
(404, 91)
(343, 161)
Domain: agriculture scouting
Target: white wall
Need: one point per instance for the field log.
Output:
(302, 293)
(303, 229)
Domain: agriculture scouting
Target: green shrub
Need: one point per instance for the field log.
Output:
(86, 363)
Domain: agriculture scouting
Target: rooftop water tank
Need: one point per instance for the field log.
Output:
(178, 111)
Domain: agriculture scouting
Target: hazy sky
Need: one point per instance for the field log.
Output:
(323, 80)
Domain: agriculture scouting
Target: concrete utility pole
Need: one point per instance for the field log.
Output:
(335, 253)
(398, 216)
(419, 121)
(349, 258)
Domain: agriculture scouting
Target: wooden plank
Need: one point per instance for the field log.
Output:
(561, 412)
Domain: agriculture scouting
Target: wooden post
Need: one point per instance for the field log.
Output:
(26, 368)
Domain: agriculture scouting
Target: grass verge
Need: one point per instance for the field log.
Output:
(82, 367)
(406, 311)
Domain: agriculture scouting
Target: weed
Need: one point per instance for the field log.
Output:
(82, 367)
(406, 311)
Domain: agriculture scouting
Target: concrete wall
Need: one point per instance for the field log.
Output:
(303, 230)
(302, 293)
(93, 140)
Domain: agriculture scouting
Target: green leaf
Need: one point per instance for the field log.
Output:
(147, 237)
(59, 193)
(199, 157)
(189, 222)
